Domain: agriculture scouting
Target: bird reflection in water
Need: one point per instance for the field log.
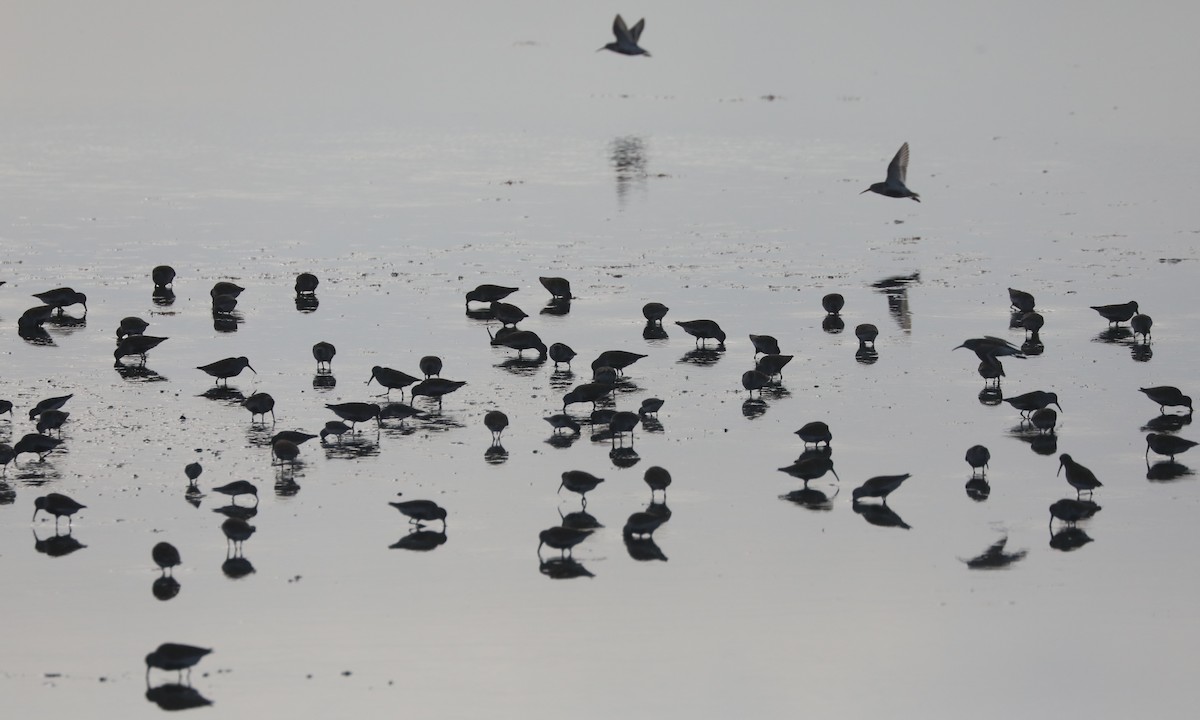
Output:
(285, 483)
(307, 303)
(812, 464)
(579, 520)
(628, 156)
(878, 514)
(138, 373)
(1167, 423)
(563, 568)
(225, 394)
(811, 498)
(753, 408)
(624, 457)
(227, 322)
(495, 454)
(994, 558)
(165, 587)
(1166, 470)
(57, 545)
(1141, 353)
(896, 290)
(357, 446)
(557, 307)
(1068, 539)
(990, 396)
(236, 566)
(163, 296)
(420, 540)
(978, 489)
(654, 331)
(173, 696)
(702, 357)
(1114, 335)
(643, 549)
(833, 324)
(324, 381)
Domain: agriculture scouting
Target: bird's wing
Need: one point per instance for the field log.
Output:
(620, 29)
(636, 31)
(898, 168)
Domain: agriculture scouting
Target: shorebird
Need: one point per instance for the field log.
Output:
(866, 334)
(436, 388)
(754, 380)
(323, 353)
(772, 365)
(833, 303)
(1141, 325)
(237, 531)
(557, 287)
(616, 359)
(286, 450)
(519, 340)
(989, 347)
(1035, 400)
(642, 525)
(225, 287)
(430, 365)
(1032, 322)
(1116, 314)
(54, 403)
(489, 293)
(192, 471)
(7, 455)
(1020, 300)
(765, 344)
(1072, 511)
(650, 406)
(293, 436)
(36, 443)
(581, 482)
(991, 369)
(421, 511)
(238, 487)
(703, 330)
(1044, 420)
(562, 353)
(507, 313)
(356, 412)
(587, 392)
(334, 427)
(1080, 478)
(897, 174)
(131, 326)
(562, 538)
(260, 404)
(224, 304)
(391, 379)
(174, 656)
(815, 433)
(59, 298)
(978, 457)
(658, 479)
(879, 487)
(6, 406)
(306, 284)
(654, 312)
(57, 505)
(562, 421)
(1170, 445)
(623, 422)
(162, 276)
(52, 420)
(1164, 395)
(495, 421)
(136, 345)
(627, 38)
(227, 368)
(165, 556)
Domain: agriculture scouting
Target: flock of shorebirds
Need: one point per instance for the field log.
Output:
(608, 370)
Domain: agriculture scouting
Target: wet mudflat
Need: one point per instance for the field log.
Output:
(714, 204)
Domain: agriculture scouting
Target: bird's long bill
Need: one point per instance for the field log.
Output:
(865, 191)
(1060, 467)
(372, 378)
(35, 512)
(560, 487)
(251, 369)
(835, 474)
(1058, 406)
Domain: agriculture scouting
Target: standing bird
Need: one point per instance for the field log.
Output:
(323, 353)
(430, 365)
(1165, 395)
(880, 486)
(658, 479)
(627, 38)
(224, 287)
(227, 368)
(165, 556)
(238, 487)
(306, 284)
(495, 421)
(57, 505)
(286, 450)
(815, 433)
(489, 293)
(833, 303)
(1020, 300)
(174, 656)
(654, 312)
(1119, 313)
(978, 457)
(56, 403)
(703, 330)
(260, 404)
(131, 325)
(1170, 445)
(866, 334)
(586, 393)
(650, 406)
(754, 380)
(507, 313)
(391, 379)
(559, 288)
(616, 359)
(772, 365)
(579, 481)
(897, 175)
(36, 443)
(1080, 478)
(163, 275)
(765, 344)
(135, 345)
(1035, 400)
(1044, 420)
(561, 538)
(192, 471)
(59, 298)
(52, 420)
(420, 511)
(1141, 325)
(562, 353)
(334, 427)
(356, 412)
(436, 388)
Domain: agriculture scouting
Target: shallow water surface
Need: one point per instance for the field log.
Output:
(645, 185)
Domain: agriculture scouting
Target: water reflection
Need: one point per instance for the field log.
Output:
(138, 373)
(495, 454)
(225, 394)
(866, 355)
(994, 558)
(643, 549)
(978, 489)
(1141, 353)
(226, 322)
(628, 155)
(237, 511)
(879, 514)
(1114, 335)
(307, 303)
(753, 408)
(163, 296)
(579, 520)
(624, 457)
(811, 498)
(165, 587)
(896, 290)
(420, 540)
(702, 357)
(173, 696)
(991, 396)
(357, 446)
(236, 566)
(1166, 470)
(833, 324)
(812, 464)
(57, 545)
(324, 381)
(1068, 539)
(67, 323)
(563, 568)
(34, 334)
(654, 331)
(557, 307)
(7, 494)
(1167, 423)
